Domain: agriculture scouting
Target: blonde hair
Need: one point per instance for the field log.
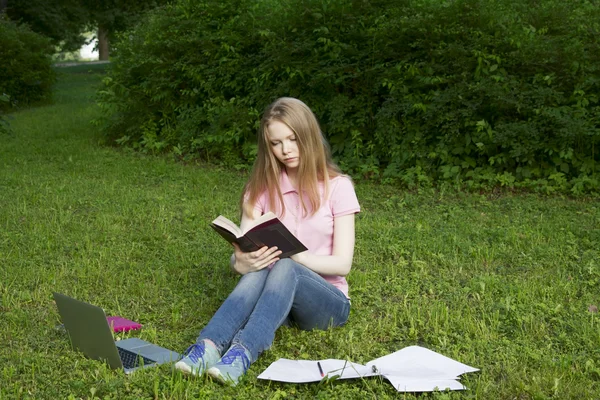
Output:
(315, 163)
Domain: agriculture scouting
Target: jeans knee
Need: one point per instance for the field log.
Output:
(284, 263)
(284, 269)
(250, 284)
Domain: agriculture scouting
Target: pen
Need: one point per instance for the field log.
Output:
(320, 369)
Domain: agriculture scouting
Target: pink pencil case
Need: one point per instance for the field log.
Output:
(120, 324)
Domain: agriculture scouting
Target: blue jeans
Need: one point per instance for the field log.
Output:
(264, 300)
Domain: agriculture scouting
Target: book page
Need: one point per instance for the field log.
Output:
(263, 218)
(227, 224)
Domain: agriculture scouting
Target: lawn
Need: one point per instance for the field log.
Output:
(508, 283)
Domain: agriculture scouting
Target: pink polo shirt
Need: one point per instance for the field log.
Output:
(316, 231)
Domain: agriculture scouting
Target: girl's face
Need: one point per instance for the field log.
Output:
(284, 145)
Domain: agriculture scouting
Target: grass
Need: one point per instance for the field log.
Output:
(500, 282)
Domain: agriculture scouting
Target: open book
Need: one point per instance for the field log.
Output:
(267, 230)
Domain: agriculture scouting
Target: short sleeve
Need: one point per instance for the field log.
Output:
(343, 198)
(260, 202)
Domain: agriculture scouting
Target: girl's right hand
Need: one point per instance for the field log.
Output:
(255, 260)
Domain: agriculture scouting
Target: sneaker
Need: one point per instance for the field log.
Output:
(232, 366)
(198, 358)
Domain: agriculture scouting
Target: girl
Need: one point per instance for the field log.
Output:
(294, 177)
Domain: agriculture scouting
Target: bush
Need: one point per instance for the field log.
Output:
(489, 93)
(4, 125)
(27, 75)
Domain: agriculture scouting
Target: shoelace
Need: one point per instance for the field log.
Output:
(233, 354)
(195, 352)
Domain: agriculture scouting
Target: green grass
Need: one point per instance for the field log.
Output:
(82, 67)
(499, 282)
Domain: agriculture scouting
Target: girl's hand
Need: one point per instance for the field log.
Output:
(254, 261)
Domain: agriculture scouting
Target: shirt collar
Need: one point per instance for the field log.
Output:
(285, 184)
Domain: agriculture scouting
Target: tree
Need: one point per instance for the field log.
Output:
(63, 21)
(114, 16)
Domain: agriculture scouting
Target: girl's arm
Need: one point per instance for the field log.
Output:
(340, 262)
(244, 263)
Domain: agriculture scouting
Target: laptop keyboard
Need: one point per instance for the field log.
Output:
(133, 360)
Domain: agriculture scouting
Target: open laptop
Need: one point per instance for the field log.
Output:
(89, 331)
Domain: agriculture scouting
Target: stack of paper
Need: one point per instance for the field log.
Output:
(412, 369)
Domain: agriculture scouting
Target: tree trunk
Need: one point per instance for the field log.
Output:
(103, 46)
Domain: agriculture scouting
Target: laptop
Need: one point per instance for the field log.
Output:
(90, 333)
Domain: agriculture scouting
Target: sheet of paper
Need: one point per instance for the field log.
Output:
(419, 362)
(302, 371)
(404, 384)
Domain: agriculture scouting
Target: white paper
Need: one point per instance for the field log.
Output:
(419, 362)
(412, 369)
(302, 371)
(423, 385)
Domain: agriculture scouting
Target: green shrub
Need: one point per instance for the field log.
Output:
(501, 92)
(4, 125)
(25, 57)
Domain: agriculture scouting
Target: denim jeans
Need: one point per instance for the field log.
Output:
(264, 300)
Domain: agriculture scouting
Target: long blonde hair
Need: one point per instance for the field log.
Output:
(315, 164)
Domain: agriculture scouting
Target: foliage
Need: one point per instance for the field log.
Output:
(505, 283)
(117, 15)
(4, 125)
(66, 21)
(62, 21)
(27, 74)
(503, 92)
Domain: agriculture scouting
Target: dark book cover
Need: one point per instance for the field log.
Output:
(270, 233)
